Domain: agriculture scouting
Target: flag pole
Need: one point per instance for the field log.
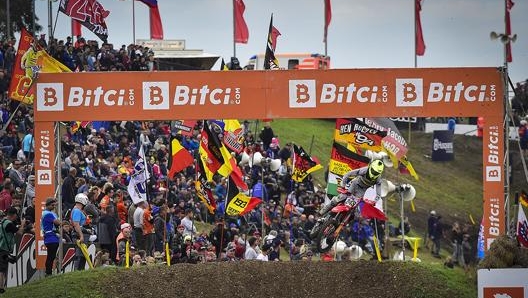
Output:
(415, 37)
(50, 20)
(325, 30)
(507, 119)
(415, 59)
(234, 29)
(133, 22)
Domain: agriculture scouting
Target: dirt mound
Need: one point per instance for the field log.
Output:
(279, 279)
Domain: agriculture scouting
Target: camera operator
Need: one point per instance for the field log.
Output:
(8, 229)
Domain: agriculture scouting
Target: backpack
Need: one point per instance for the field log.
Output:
(7, 240)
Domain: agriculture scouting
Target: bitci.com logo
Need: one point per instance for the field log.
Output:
(302, 94)
(409, 93)
(155, 95)
(50, 97)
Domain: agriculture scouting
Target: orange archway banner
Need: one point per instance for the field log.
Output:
(410, 92)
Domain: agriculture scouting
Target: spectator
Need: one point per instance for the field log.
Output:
(523, 137)
(451, 123)
(187, 222)
(78, 218)
(122, 238)
(7, 242)
(6, 196)
(107, 232)
(68, 190)
(456, 241)
(138, 225)
(435, 231)
(263, 255)
(17, 174)
(30, 190)
(50, 223)
(251, 253)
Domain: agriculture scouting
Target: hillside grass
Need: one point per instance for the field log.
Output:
(454, 188)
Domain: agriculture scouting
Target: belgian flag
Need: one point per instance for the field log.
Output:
(214, 155)
(203, 188)
(180, 158)
(237, 203)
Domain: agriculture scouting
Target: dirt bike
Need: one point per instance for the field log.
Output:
(326, 232)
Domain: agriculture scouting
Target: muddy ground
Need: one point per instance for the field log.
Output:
(279, 279)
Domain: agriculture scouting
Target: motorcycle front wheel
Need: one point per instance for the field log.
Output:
(326, 238)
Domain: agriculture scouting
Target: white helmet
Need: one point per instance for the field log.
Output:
(81, 198)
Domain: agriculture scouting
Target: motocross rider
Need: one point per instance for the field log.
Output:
(363, 179)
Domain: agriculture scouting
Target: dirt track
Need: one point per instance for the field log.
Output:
(279, 279)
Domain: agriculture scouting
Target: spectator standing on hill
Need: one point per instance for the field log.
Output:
(435, 232)
(451, 123)
(456, 240)
(266, 135)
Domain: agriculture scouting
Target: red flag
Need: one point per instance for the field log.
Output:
(509, 5)
(76, 28)
(156, 28)
(420, 43)
(328, 18)
(274, 34)
(241, 29)
(181, 158)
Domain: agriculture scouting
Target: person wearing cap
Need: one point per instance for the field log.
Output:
(7, 242)
(78, 219)
(49, 224)
(434, 228)
(124, 236)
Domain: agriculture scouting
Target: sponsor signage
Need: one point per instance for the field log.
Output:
(339, 93)
(312, 94)
(442, 145)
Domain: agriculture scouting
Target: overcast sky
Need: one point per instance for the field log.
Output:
(363, 33)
